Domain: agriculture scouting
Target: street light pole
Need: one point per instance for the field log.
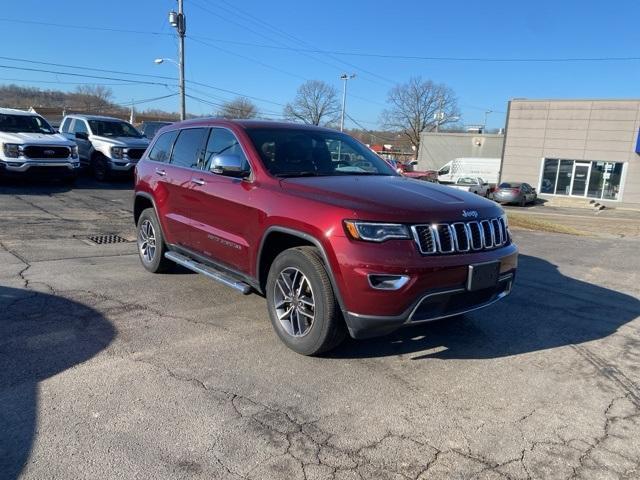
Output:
(344, 77)
(486, 114)
(178, 21)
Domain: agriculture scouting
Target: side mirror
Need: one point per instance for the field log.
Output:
(82, 136)
(229, 165)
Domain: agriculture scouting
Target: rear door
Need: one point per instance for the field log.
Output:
(172, 181)
(224, 218)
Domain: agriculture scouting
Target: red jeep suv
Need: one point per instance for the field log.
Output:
(334, 245)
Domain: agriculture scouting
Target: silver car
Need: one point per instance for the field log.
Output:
(515, 192)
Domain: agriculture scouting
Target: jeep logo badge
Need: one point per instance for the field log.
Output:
(469, 214)
(49, 152)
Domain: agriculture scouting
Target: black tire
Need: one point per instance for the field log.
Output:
(327, 328)
(156, 262)
(100, 167)
(523, 201)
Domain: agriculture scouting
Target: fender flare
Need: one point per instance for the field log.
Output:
(316, 243)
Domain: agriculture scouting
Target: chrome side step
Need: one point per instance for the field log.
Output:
(210, 272)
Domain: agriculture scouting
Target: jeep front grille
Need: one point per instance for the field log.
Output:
(459, 237)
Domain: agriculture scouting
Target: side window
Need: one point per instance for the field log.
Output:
(79, 126)
(188, 149)
(161, 150)
(223, 142)
(64, 128)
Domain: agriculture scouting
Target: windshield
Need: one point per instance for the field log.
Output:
(151, 128)
(24, 124)
(293, 152)
(111, 128)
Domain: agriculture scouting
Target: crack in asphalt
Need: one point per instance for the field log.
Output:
(309, 446)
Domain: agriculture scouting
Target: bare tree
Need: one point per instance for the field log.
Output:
(418, 106)
(240, 107)
(93, 96)
(316, 102)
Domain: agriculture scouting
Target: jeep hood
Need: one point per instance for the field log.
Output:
(127, 142)
(35, 138)
(392, 198)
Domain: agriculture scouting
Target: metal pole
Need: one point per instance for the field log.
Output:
(182, 28)
(344, 101)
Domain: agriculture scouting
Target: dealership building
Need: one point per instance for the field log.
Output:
(584, 149)
(438, 148)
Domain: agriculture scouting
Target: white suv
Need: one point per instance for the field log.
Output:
(28, 144)
(107, 145)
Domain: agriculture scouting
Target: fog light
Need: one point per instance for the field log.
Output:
(387, 282)
(15, 164)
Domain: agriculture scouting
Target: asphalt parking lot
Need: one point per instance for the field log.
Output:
(111, 372)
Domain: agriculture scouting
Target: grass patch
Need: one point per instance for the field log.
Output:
(530, 222)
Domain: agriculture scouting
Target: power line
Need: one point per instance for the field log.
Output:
(340, 52)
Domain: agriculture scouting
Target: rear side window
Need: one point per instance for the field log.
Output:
(189, 147)
(161, 151)
(65, 125)
(223, 142)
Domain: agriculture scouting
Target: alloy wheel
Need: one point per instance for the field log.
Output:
(294, 302)
(147, 241)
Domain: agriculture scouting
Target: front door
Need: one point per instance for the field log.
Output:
(223, 218)
(580, 178)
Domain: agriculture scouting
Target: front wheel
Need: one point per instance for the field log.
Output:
(302, 306)
(100, 167)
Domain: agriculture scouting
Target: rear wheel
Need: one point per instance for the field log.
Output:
(151, 247)
(302, 306)
(523, 201)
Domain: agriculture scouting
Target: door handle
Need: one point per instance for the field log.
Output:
(160, 172)
(198, 181)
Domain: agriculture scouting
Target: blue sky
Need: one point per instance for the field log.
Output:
(469, 29)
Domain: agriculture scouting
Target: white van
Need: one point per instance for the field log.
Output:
(485, 168)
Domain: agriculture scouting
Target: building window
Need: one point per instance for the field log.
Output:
(580, 178)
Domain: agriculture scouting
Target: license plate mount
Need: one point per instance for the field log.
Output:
(483, 275)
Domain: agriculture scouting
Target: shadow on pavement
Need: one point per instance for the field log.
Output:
(546, 310)
(44, 186)
(40, 336)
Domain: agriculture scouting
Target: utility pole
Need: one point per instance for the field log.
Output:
(179, 22)
(132, 112)
(344, 77)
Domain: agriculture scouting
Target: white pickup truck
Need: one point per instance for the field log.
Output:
(29, 146)
(472, 184)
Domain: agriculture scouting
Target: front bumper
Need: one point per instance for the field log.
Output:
(123, 165)
(431, 306)
(435, 285)
(19, 166)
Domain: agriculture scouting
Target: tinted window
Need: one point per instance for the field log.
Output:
(24, 124)
(189, 147)
(79, 127)
(161, 150)
(65, 125)
(292, 152)
(113, 128)
(223, 142)
(509, 185)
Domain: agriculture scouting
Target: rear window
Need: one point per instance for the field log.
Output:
(509, 185)
(161, 150)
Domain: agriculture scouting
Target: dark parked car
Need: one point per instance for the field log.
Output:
(149, 129)
(334, 245)
(515, 192)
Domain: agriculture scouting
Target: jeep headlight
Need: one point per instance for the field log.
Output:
(117, 152)
(375, 232)
(11, 150)
(74, 151)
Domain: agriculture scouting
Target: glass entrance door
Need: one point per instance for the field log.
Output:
(580, 177)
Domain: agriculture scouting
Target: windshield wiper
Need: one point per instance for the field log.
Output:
(300, 174)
